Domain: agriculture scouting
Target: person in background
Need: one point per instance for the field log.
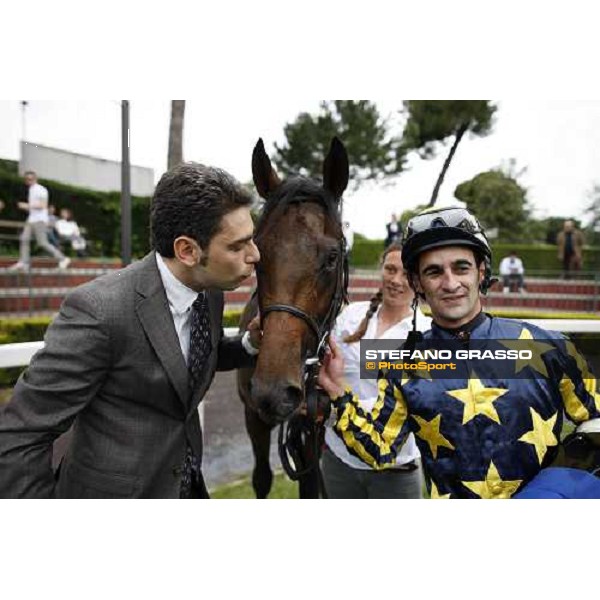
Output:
(52, 233)
(393, 231)
(68, 231)
(131, 355)
(387, 316)
(570, 248)
(512, 272)
(37, 225)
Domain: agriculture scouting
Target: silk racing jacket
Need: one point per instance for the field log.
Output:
(484, 435)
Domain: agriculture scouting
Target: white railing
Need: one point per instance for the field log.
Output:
(19, 355)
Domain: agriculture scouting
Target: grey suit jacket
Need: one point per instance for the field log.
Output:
(113, 366)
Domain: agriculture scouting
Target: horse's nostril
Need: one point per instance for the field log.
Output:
(290, 401)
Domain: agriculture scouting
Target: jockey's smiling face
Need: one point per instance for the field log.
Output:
(449, 278)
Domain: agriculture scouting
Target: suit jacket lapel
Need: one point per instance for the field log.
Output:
(153, 311)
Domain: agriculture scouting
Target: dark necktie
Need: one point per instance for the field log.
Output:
(200, 347)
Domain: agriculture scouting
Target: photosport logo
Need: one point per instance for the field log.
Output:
(457, 359)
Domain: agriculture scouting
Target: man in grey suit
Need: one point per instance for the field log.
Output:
(115, 361)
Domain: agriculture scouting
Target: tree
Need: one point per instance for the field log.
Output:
(175, 155)
(373, 151)
(431, 122)
(498, 201)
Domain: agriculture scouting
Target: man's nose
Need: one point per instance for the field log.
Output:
(254, 256)
(450, 281)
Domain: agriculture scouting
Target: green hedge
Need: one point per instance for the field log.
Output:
(543, 257)
(98, 212)
(366, 253)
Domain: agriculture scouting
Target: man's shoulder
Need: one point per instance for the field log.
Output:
(39, 190)
(522, 329)
(111, 286)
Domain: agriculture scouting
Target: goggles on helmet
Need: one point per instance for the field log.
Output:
(459, 218)
(445, 227)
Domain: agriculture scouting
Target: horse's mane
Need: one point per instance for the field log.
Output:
(298, 189)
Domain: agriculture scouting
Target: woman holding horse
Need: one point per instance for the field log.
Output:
(387, 316)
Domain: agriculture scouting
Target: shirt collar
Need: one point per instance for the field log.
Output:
(464, 331)
(180, 296)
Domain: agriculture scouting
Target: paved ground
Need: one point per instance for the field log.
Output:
(227, 450)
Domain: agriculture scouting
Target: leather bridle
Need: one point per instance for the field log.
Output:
(321, 330)
(296, 435)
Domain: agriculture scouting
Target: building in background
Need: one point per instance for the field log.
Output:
(82, 170)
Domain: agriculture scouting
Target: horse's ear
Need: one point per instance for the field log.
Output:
(265, 177)
(335, 169)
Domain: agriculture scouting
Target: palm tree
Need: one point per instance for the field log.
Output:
(176, 133)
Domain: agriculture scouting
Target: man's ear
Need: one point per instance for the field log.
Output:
(187, 251)
(481, 271)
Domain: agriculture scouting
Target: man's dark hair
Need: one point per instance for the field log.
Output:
(191, 199)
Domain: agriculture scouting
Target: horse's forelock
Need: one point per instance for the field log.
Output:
(299, 189)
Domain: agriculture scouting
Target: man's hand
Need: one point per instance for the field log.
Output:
(23, 206)
(331, 374)
(255, 332)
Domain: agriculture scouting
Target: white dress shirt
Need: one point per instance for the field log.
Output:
(181, 298)
(366, 389)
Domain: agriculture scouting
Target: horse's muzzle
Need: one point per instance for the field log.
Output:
(276, 401)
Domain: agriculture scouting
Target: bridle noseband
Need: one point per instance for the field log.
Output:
(293, 437)
(320, 331)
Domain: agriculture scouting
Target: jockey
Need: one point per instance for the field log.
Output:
(492, 428)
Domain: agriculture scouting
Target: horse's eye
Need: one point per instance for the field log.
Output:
(331, 259)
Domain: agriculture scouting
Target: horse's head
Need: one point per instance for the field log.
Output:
(301, 277)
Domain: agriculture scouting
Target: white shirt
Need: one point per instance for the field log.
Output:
(366, 389)
(511, 265)
(37, 194)
(67, 229)
(181, 298)
(349, 235)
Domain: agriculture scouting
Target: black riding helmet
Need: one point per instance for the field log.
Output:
(437, 227)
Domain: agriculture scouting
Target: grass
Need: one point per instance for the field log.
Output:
(282, 488)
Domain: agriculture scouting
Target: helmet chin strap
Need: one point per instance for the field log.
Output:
(414, 336)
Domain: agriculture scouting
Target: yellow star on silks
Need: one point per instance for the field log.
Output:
(537, 349)
(493, 486)
(430, 432)
(435, 495)
(478, 399)
(589, 381)
(541, 436)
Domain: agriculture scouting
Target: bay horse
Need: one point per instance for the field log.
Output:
(302, 281)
